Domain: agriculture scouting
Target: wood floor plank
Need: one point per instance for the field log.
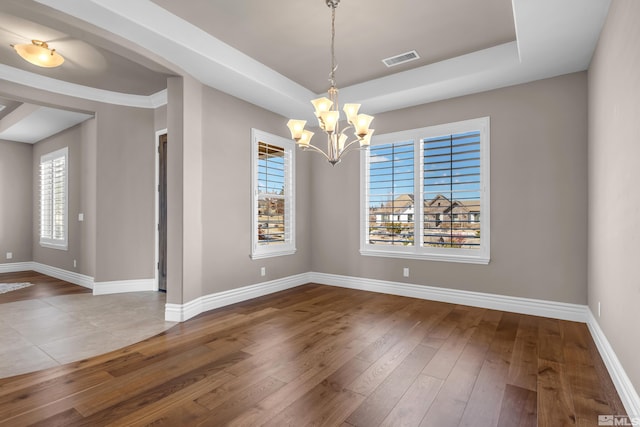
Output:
(550, 340)
(523, 369)
(443, 361)
(555, 405)
(271, 406)
(238, 403)
(483, 407)
(454, 394)
(126, 387)
(370, 379)
(154, 413)
(518, 408)
(318, 355)
(381, 401)
(415, 403)
(587, 397)
(317, 405)
(18, 401)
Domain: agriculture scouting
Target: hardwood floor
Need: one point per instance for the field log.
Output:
(318, 355)
(44, 286)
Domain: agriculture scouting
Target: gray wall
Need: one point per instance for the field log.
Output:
(125, 202)
(226, 200)
(15, 201)
(614, 199)
(538, 196)
(71, 138)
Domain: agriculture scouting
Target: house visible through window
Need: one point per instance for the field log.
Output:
(273, 213)
(53, 199)
(432, 183)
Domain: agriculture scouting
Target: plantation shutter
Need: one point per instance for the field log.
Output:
(53, 198)
(452, 191)
(390, 194)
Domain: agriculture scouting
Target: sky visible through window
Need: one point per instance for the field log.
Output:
(451, 168)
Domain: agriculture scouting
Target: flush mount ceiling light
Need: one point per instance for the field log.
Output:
(328, 115)
(38, 53)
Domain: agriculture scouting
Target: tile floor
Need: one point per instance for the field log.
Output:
(46, 332)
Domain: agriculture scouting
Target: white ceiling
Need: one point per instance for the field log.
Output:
(276, 55)
(32, 123)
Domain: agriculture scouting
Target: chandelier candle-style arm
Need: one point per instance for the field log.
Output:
(327, 111)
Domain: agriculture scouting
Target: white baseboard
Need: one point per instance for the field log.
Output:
(535, 307)
(14, 267)
(627, 392)
(122, 286)
(99, 288)
(182, 312)
(58, 273)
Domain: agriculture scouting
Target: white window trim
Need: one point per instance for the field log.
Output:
(60, 244)
(418, 251)
(259, 251)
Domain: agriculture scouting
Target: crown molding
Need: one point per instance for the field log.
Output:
(61, 87)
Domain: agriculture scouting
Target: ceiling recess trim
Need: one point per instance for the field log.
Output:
(48, 84)
(553, 38)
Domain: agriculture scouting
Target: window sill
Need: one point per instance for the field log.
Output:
(59, 246)
(261, 255)
(466, 259)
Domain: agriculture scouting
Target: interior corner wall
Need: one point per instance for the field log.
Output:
(175, 223)
(16, 190)
(614, 199)
(184, 189)
(192, 157)
(88, 198)
(227, 192)
(538, 196)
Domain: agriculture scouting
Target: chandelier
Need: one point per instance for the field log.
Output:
(328, 115)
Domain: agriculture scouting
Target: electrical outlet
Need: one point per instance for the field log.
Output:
(405, 272)
(263, 271)
(80, 217)
(9, 255)
(75, 263)
(598, 308)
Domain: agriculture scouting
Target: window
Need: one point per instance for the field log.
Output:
(432, 183)
(273, 195)
(53, 199)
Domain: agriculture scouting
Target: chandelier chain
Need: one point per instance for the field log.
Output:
(332, 78)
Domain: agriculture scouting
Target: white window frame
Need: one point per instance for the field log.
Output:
(260, 250)
(49, 241)
(419, 250)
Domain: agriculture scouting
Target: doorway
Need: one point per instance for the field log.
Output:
(162, 212)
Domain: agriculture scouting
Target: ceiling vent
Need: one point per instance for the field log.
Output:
(401, 59)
